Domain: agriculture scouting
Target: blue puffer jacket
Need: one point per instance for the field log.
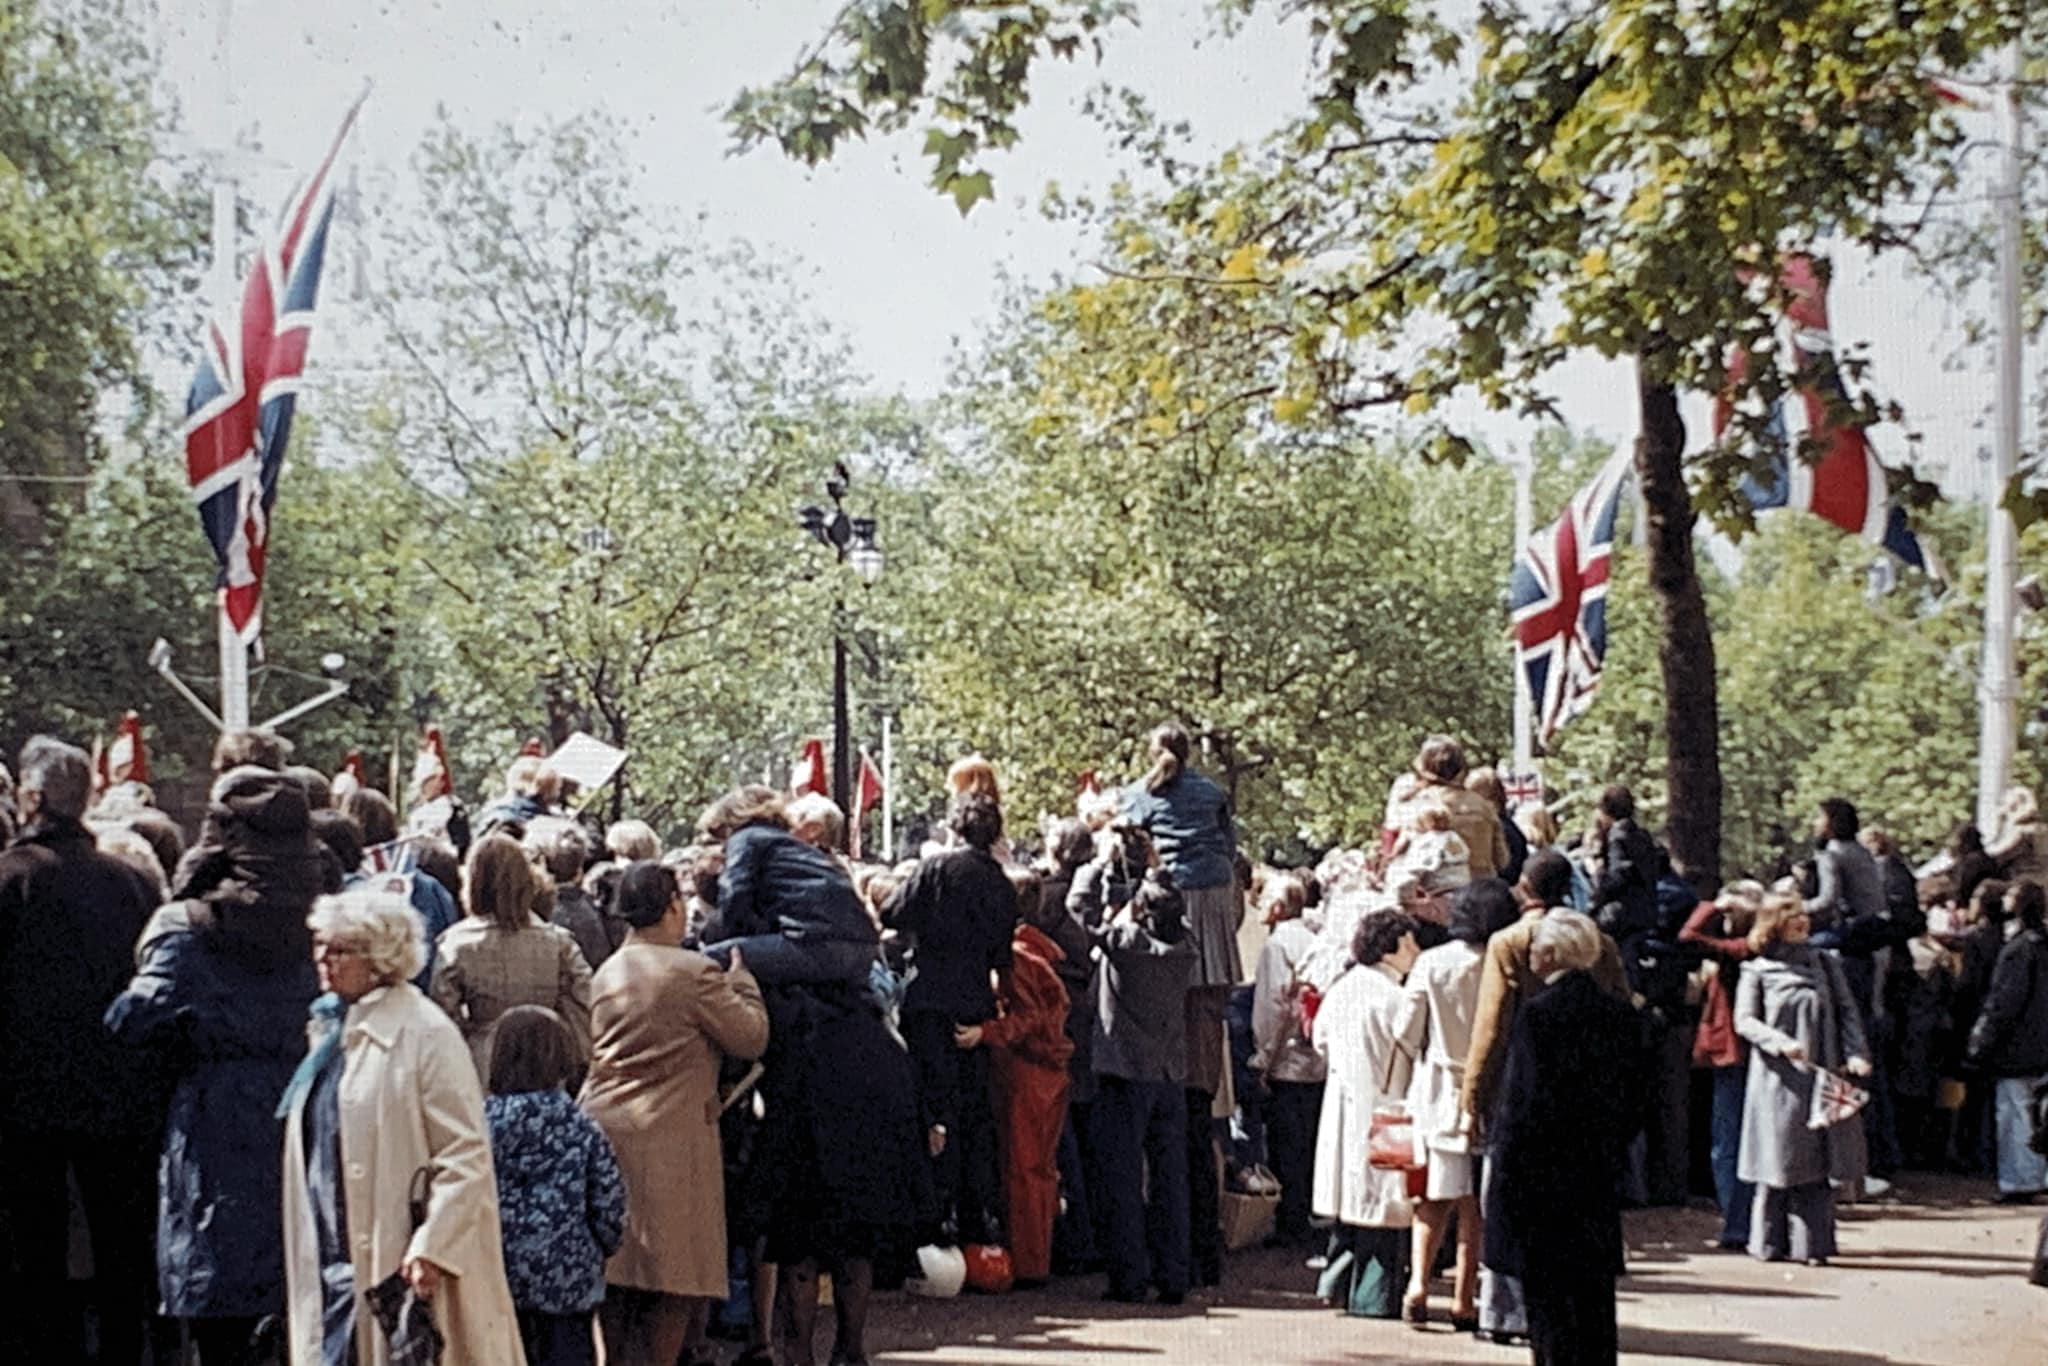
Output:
(231, 1033)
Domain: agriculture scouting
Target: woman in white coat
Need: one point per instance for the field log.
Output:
(1435, 1026)
(1354, 1033)
(387, 1090)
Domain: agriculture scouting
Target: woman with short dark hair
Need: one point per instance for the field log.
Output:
(1434, 1028)
(663, 1018)
(1355, 1031)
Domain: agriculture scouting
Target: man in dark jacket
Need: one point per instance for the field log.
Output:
(1568, 1101)
(1625, 892)
(70, 1097)
(1141, 1068)
(959, 910)
(2009, 1043)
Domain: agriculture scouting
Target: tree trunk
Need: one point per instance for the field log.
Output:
(1685, 648)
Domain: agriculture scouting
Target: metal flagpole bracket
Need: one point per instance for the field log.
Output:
(160, 660)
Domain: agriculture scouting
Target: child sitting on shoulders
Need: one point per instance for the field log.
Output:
(1431, 853)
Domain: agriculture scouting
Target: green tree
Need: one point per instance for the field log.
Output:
(1602, 177)
(91, 238)
(607, 424)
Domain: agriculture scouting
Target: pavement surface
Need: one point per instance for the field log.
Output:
(1934, 1275)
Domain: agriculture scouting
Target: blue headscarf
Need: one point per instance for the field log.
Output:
(326, 1014)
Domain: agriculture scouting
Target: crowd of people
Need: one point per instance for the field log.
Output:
(332, 1085)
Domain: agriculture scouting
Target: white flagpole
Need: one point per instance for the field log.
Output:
(888, 790)
(234, 651)
(1997, 691)
(1524, 466)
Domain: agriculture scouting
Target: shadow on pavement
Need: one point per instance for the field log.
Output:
(1740, 1346)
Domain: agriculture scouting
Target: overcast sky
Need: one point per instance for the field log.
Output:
(887, 261)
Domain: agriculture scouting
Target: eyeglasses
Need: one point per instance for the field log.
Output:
(323, 949)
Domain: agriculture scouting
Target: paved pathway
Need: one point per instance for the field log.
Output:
(1936, 1278)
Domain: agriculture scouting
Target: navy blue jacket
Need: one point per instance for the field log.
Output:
(231, 1033)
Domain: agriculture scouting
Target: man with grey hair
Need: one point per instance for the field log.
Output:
(74, 1105)
(1566, 1109)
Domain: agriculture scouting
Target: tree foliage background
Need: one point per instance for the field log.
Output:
(1209, 474)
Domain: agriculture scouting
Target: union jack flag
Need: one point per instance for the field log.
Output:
(238, 414)
(1557, 599)
(399, 856)
(1846, 485)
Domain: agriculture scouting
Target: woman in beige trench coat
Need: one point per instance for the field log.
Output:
(663, 1018)
(387, 1089)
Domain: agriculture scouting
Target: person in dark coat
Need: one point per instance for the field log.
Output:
(1970, 865)
(1625, 891)
(1140, 1057)
(1973, 1149)
(836, 1175)
(2009, 1043)
(1567, 1108)
(958, 910)
(71, 1099)
(1069, 848)
(219, 998)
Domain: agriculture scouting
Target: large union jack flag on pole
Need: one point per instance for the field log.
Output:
(238, 415)
(1557, 597)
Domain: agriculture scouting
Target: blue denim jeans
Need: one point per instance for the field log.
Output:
(2021, 1170)
(1734, 1194)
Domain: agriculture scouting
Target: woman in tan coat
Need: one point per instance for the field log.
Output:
(386, 1092)
(503, 955)
(663, 1019)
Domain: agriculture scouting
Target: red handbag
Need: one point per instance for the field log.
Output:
(1390, 1139)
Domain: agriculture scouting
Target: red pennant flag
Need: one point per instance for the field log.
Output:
(867, 794)
(809, 774)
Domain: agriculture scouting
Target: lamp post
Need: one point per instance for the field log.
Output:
(852, 542)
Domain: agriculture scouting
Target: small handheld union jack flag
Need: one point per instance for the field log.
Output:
(238, 414)
(1557, 598)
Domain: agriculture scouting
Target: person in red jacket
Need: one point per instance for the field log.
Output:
(1719, 929)
(1029, 1052)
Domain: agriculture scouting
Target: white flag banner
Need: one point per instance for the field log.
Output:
(587, 762)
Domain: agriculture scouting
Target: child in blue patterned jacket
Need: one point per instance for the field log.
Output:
(561, 1201)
